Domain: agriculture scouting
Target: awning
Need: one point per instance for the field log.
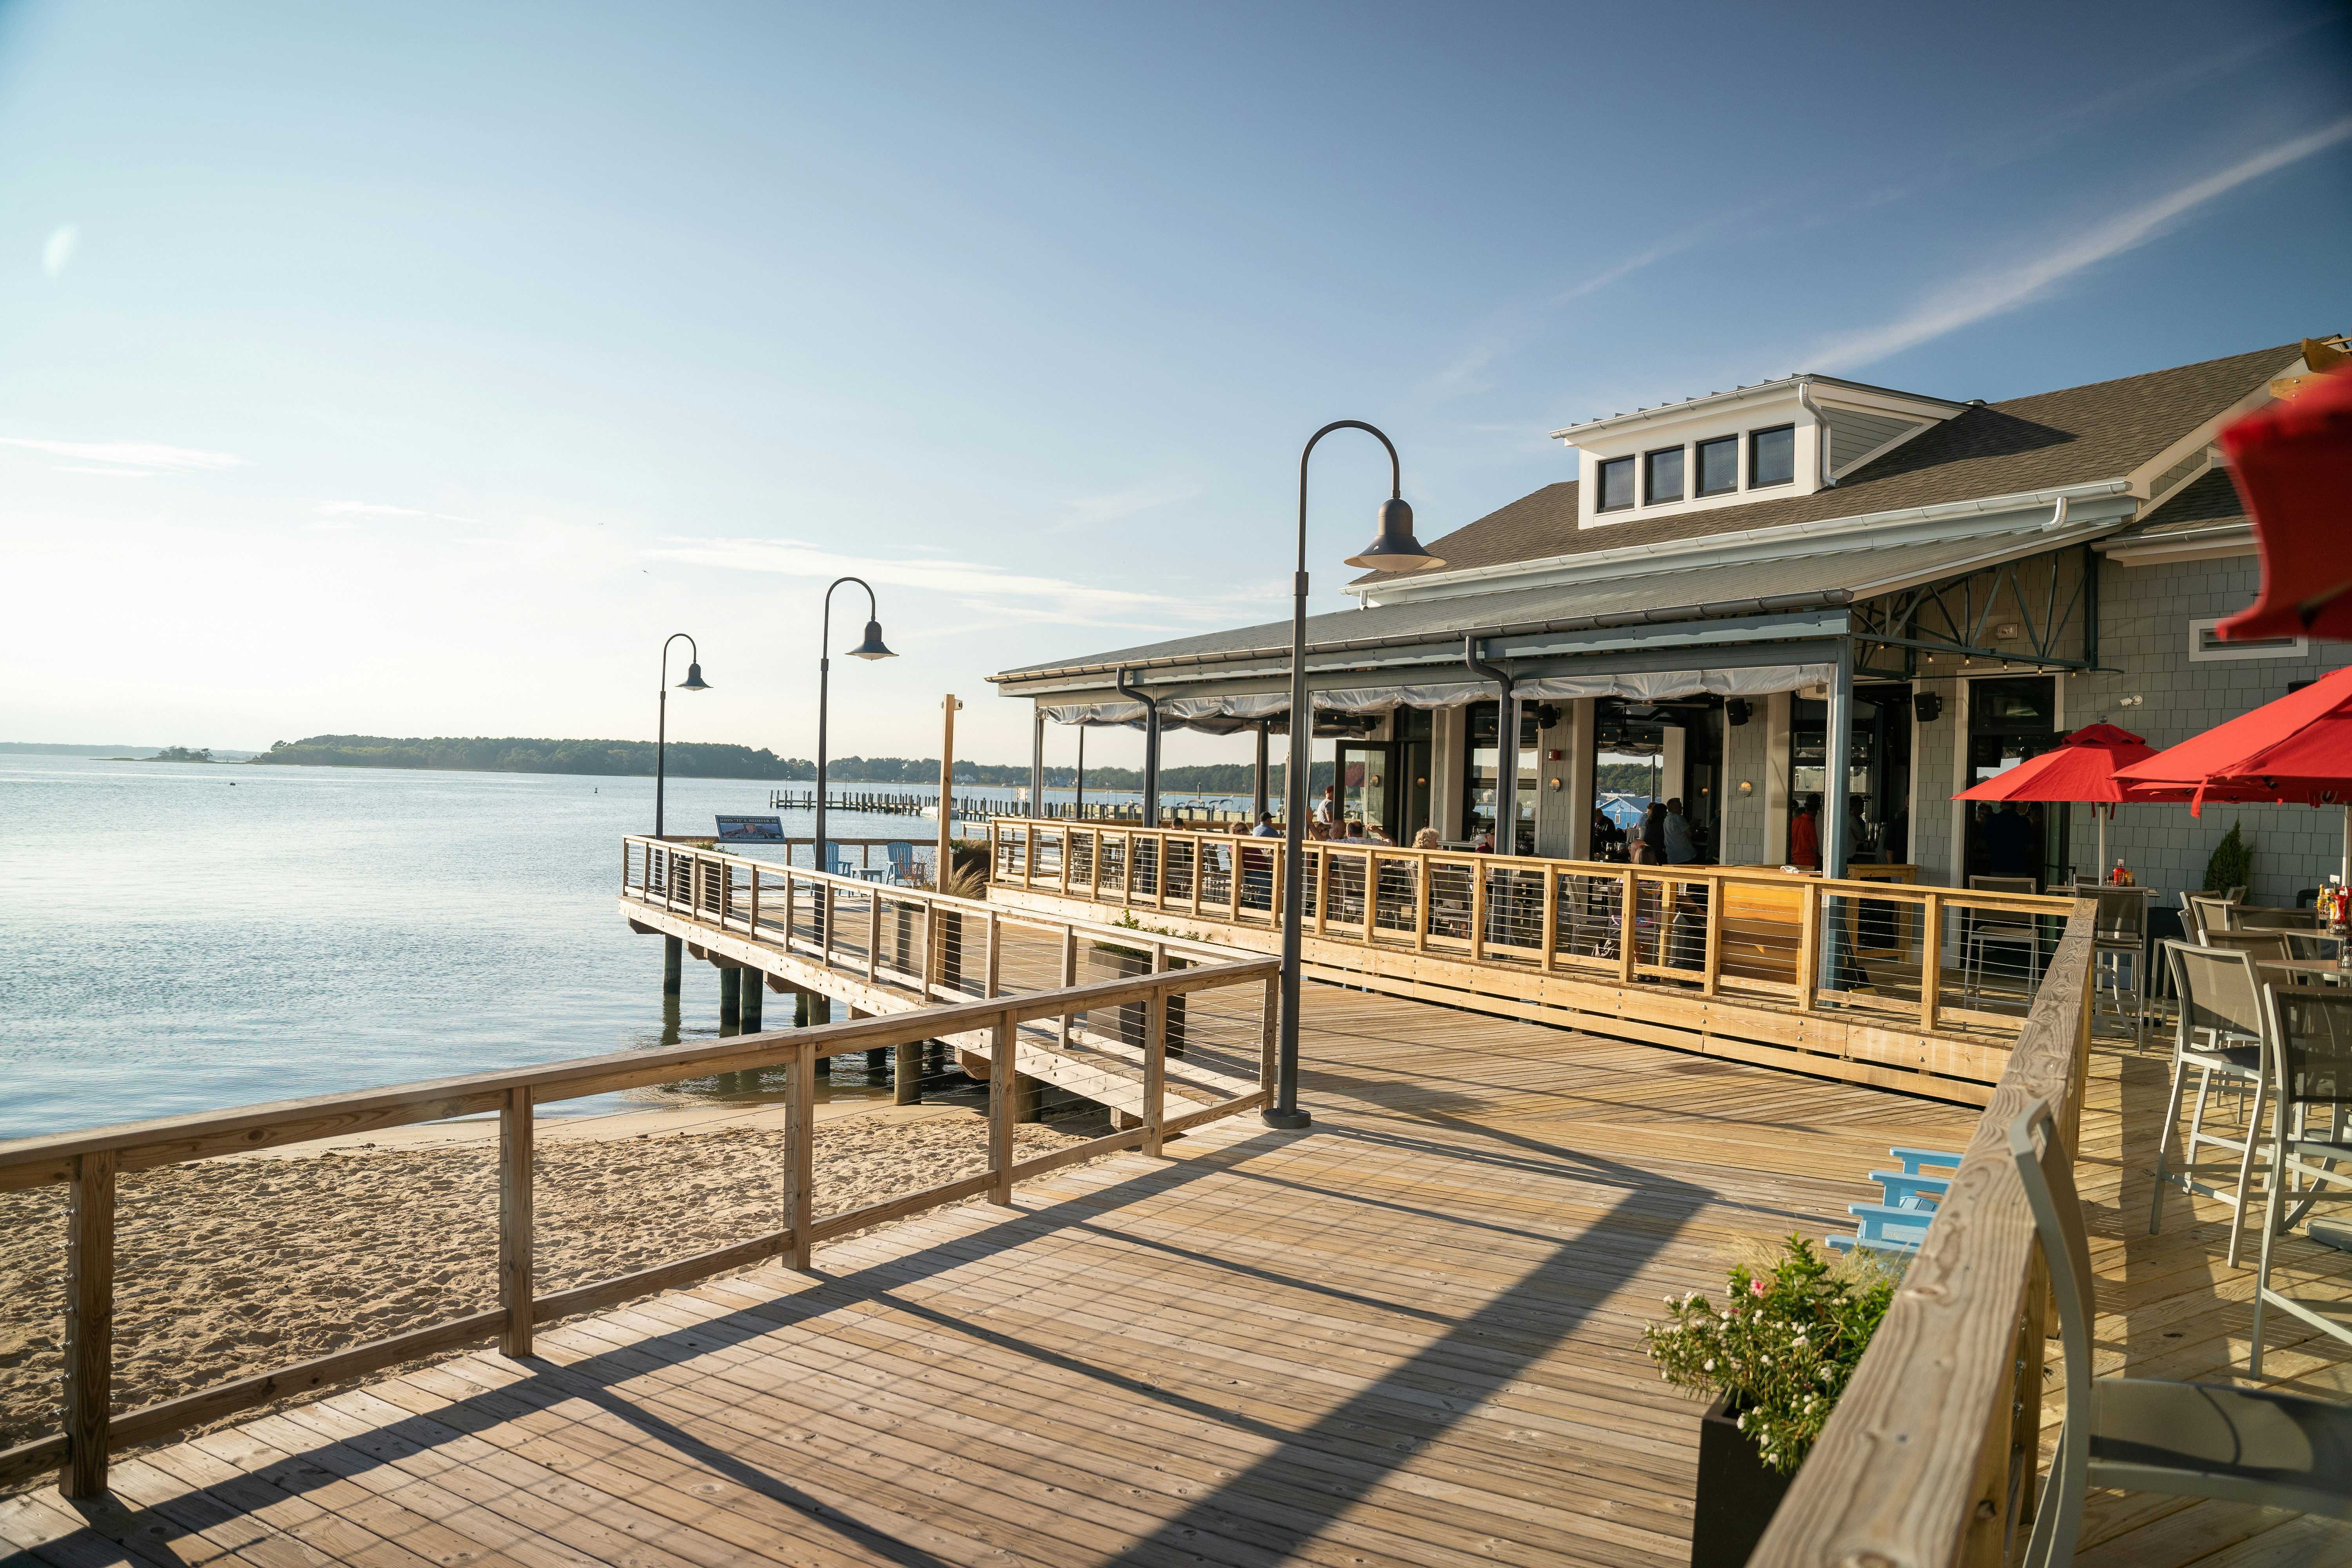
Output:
(1224, 715)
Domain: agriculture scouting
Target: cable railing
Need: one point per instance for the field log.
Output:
(1206, 1009)
(1930, 1458)
(1931, 980)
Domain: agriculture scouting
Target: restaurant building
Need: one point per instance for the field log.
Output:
(1730, 581)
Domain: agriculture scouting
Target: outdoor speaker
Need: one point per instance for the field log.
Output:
(1546, 716)
(1739, 709)
(1926, 706)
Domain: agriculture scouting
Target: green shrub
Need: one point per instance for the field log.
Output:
(2232, 865)
(1784, 1346)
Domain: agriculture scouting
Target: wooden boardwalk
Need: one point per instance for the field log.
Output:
(1409, 1336)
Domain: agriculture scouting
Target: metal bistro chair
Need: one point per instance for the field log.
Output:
(2122, 935)
(2310, 1065)
(2000, 930)
(2263, 946)
(2146, 1434)
(2220, 997)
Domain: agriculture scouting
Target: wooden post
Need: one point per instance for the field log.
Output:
(906, 1073)
(800, 1154)
(825, 892)
(730, 996)
(754, 926)
(1550, 917)
(1322, 887)
(1808, 942)
(1931, 960)
(1069, 975)
(1711, 964)
(672, 965)
(1629, 926)
(89, 1322)
(873, 933)
(1424, 869)
(1478, 910)
(1155, 1070)
(1093, 890)
(1003, 1047)
(944, 865)
(515, 1216)
(751, 998)
(995, 949)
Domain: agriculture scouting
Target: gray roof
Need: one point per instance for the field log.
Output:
(2209, 501)
(2078, 436)
(2052, 438)
(1828, 579)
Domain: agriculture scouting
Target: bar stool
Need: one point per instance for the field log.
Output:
(2220, 998)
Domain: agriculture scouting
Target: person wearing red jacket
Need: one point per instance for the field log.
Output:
(1805, 837)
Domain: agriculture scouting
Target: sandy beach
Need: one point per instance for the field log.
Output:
(234, 1266)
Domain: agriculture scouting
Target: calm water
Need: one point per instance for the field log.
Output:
(181, 937)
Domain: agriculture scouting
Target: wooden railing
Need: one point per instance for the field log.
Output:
(1928, 1460)
(1884, 953)
(87, 1163)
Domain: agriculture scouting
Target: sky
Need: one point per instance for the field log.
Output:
(418, 369)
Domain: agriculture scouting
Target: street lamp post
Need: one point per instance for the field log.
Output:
(693, 683)
(870, 648)
(1395, 550)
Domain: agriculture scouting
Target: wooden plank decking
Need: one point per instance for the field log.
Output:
(1410, 1335)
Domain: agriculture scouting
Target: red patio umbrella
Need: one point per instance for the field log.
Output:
(2292, 465)
(2081, 769)
(2295, 750)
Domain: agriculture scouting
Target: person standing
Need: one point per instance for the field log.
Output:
(1680, 850)
(1326, 808)
(1805, 837)
(2008, 844)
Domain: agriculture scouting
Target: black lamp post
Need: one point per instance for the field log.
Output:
(1395, 550)
(693, 683)
(870, 648)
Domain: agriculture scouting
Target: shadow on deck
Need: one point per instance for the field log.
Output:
(1410, 1335)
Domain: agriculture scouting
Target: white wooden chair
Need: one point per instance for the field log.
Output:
(2147, 1434)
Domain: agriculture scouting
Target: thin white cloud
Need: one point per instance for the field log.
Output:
(110, 473)
(981, 588)
(331, 527)
(345, 508)
(1087, 511)
(142, 456)
(57, 252)
(1992, 292)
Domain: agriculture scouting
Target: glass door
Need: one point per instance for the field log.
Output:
(2010, 721)
(1367, 787)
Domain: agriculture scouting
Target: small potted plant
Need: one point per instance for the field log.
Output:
(1775, 1356)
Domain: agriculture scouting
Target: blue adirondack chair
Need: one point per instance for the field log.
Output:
(1899, 1223)
(902, 862)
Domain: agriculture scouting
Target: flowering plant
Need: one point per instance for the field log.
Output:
(1783, 1346)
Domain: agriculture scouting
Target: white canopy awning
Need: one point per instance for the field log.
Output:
(1223, 715)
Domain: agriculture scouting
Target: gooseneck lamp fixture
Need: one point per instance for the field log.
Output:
(872, 647)
(693, 683)
(1394, 550)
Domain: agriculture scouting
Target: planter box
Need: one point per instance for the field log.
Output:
(1738, 1492)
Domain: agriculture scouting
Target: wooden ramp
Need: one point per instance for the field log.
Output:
(1408, 1336)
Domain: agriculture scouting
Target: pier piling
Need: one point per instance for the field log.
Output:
(730, 996)
(754, 997)
(672, 965)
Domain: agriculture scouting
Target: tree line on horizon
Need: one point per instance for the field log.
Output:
(711, 760)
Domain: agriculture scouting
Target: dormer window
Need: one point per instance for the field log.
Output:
(1771, 457)
(1719, 466)
(1662, 478)
(1617, 485)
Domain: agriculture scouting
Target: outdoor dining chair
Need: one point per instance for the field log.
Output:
(2265, 946)
(2149, 1435)
(2221, 1000)
(2310, 1066)
(2000, 930)
(2121, 937)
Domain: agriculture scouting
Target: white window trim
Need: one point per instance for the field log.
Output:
(2300, 647)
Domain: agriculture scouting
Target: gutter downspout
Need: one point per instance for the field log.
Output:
(1507, 747)
(1822, 429)
(1150, 746)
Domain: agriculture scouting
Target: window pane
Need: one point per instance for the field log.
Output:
(1772, 459)
(1719, 466)
(1616, 484)
(1665, 479)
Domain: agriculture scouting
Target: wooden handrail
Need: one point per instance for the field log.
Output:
(1928, 1459)
(90, 1158)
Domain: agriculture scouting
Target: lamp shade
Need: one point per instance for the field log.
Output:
(694, 681)
(1396, 550)
(872, 647)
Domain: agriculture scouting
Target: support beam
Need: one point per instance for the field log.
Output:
(751, 1000)
(730, 996)
(672, 965)
(907, 1075)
